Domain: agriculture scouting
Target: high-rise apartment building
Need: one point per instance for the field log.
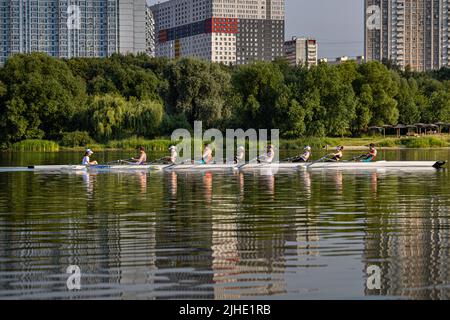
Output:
(72, 28)
(226, 31)
(150, 32)
(301, 51)
(412, 33)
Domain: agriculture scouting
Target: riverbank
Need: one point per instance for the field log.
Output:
(442, 141)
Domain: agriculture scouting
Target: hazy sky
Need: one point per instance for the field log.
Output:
(336, 24)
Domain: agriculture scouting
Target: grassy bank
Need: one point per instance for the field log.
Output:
(316, 143)
(405, 142)
(35, 145)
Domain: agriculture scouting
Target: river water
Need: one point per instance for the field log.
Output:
(225, 235)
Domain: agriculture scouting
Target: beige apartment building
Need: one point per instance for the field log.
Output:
(410, 33)
(301, 51)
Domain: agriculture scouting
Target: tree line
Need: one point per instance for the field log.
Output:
(123, 96)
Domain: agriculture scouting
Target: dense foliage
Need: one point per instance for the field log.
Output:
(125, 96)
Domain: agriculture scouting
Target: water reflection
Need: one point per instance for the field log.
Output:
(306, 234)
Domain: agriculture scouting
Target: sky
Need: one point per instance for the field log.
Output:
(336, 24)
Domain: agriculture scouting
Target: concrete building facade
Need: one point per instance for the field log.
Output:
(72, 28)
(412, 33)
(150, 32)
(301, 51)
(226, 31)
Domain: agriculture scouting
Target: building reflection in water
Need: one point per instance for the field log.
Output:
(407, 239)
(243, 264)
(225, 236)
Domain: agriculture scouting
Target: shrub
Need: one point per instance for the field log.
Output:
(35, 145)
(424, 142)
(134, 143)
(76, 139)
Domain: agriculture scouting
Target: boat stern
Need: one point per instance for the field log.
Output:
(439, 164)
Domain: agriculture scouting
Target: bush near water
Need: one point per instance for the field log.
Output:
(35, 145)
(110, 101)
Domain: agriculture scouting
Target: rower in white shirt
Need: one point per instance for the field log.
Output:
(268, 157)
(173, 156)
(87, 158)
(240, 155)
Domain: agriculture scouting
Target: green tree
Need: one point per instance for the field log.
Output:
(363, 114)
(197, 89)
(107, 116)
(117, 74)
(384, 89)
(2, 89)
(262, 92)
(439, 107)
(41, 97)
(144, 118)
(327, 95)
(409, 112)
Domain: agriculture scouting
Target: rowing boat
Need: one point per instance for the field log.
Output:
(403, 165)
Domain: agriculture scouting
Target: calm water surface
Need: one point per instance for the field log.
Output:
(290, 235)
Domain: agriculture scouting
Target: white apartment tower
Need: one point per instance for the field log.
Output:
(226, 31)
(412, 33)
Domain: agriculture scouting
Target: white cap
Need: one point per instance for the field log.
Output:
(172, 148)
(89, 151)
(308, 148)
(241, 148)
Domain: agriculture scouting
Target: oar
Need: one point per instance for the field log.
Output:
(119, 161)
(156, 161)
(317, 161)
(355, 158)
(243, 165)
(289, 159)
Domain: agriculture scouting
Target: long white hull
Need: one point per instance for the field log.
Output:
(403, 165)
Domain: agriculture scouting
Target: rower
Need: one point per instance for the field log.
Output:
(173, 156)
(240, 156)
(268, 157)
(371, 155)
(305, 156)
(335, 157)
(142, 157)
(207, 154)
(86, 159)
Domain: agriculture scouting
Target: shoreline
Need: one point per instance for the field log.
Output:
(161, 145)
